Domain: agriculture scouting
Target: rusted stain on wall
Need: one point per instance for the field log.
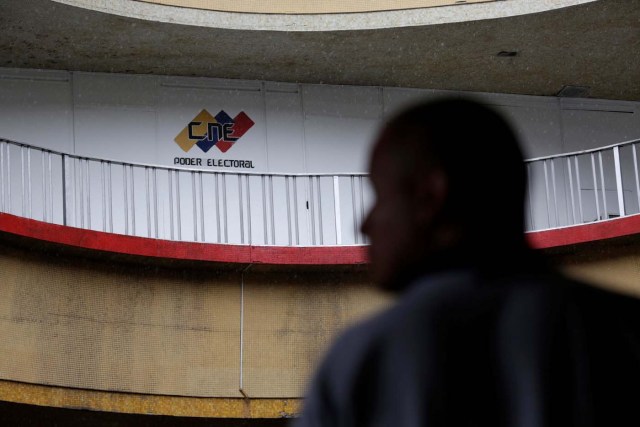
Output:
(148, 404)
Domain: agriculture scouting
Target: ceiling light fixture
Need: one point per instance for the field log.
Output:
(572, 91)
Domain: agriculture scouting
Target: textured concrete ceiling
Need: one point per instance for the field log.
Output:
(596, 45)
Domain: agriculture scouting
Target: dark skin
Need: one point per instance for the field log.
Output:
(406, 225)
(410, 227)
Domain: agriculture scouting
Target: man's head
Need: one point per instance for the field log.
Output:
(449, 177)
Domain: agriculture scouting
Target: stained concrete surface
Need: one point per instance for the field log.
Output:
(592, 45)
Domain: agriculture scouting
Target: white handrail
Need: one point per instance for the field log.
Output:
(295, 209)
(176, 168)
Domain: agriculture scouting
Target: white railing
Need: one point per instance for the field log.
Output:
(583, 186)
(182, 204)
(277, 209)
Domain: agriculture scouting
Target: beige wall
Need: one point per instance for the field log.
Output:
(108, 325)
(614, 264)
(166, 329)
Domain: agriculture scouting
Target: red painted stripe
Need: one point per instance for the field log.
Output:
(89, 239)
(619, 227)
(276, 255)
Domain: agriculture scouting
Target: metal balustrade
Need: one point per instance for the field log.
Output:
(583, 186)
(277, 209)
(174, 203)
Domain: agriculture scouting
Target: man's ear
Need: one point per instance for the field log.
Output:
(430, 194)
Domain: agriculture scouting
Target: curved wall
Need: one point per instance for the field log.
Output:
(141, 334)
(310, 129)
(315, 16)
(199, 330)
(297, 128)
(275, 255)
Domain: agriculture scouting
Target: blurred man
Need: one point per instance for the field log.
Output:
(484, 332)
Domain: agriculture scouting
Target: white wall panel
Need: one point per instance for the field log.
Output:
(286, 153)
(595, 124)
(120, 133)
(592, 128)
(298, 129)
(114, 90)
(395, 99)
(537, 126)
(340, 123)
(36, 108)
(284, 128)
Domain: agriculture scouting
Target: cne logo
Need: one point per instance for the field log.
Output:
(205, 131)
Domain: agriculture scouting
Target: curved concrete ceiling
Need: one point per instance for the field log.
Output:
(298, 16)
(594, 44)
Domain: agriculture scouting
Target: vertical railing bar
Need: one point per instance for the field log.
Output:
(22, 212)
(602, 187)
(104, 196)
(125, 185)
(64, 189)
(44, 187)
(73, 190)
(573, 208)
(311, 210)
(619, 189)
(85, 189)
(240, 209)
(110, 187)
(361, 219)
(202, 231)
(273, 213)
(170, 173)
(336, 208)
(2, 181)
(87, 163)
(248, 209)
(529, 191)
(155, 202)
(320, 211)
(635, 169)
(595, 186)
(264, 211)
(83, 193)
(178, 204)
(546, 192)
(217, 198)
(224, 208)
(50, 187)
(133, 201)
(195, 206)
(578, 185)
(147, 190)
(555, 192)
(354, 209)
(286, 183)
(77, 165)
(295, 208)
(30, 199)
(77, 193)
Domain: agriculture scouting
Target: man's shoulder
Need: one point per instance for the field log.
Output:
(410, 317)
(471, 328)
(462, 298)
